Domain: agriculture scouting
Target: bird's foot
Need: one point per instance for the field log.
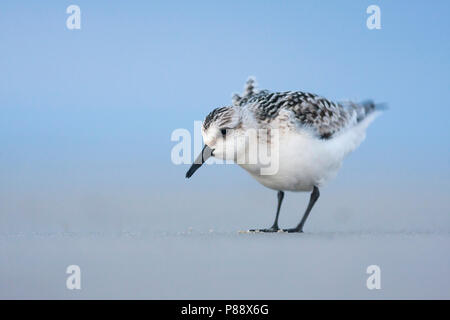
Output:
(271, 229)
(292, 230)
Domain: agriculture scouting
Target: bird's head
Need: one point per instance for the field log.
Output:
(223, 136)
(221, 130)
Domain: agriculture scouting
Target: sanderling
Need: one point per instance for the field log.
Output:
(315, 135)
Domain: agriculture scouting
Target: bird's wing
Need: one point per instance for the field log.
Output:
(324, 117)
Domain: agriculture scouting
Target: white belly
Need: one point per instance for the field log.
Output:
(305, 161)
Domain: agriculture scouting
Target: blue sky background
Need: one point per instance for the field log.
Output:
(86, 115)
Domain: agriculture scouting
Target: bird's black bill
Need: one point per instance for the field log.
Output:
(202, 157)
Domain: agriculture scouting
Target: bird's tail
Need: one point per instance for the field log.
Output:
(364, 108)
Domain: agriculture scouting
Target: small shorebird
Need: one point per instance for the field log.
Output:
(314, 136)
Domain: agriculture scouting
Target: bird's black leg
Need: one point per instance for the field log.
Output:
(274, 227)
(312, 200)
(280, 200)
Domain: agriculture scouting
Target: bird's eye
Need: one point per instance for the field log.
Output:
(223, 132)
